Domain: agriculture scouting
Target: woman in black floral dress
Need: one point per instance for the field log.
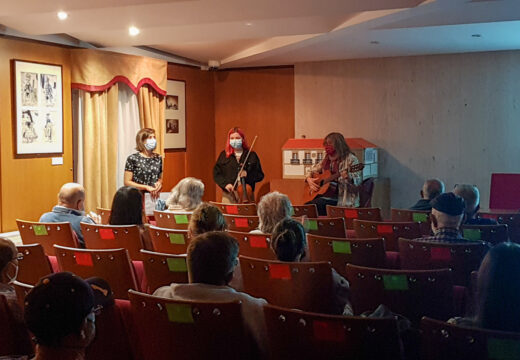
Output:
(143, 169)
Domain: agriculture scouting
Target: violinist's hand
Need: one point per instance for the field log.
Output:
(229, 188)
(242, 174)
(312, 184)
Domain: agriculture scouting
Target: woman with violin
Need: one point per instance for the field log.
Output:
(340, 170)
(237, 169)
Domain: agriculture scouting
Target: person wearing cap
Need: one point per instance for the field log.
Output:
(471, 196)
(447, 214)
(60, 312)
(430, 190)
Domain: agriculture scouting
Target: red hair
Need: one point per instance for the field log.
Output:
(229, 149)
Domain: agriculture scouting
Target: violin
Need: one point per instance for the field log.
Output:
(242, 192)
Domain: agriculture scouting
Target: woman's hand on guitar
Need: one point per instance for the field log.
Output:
(312, 184)
(352, 188)
(242, 174)
(229, 188)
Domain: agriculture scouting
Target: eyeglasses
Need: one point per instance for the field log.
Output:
(19, 256)
(96, 310)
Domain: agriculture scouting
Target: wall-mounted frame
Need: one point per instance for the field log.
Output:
(175, 115)
(38, 108)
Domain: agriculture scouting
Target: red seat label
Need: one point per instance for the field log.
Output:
(280, 271)
(106, 234)
(351, 214)
(328, 331)
(241, 222)
(232, 209)
(83, 259)
(440, 253)
(385, 229)
(258, 242)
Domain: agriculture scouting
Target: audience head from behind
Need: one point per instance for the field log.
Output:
(127, 207)
(205, 218)
(60, 312)
(288, 240)
(212, 258)
(432, 188)
(471, 196)
(72, 196)
(447, 211)
(186, 195)
(8, 261)
(272, 208)
(498, 289)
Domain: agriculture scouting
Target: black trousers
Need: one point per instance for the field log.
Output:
(322, 202)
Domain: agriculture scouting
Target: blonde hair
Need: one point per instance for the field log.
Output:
(141, 136)
(205, 218)
(187, 194)
(273, 208)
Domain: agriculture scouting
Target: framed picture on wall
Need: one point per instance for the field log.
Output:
(175, 119)
(38, 108)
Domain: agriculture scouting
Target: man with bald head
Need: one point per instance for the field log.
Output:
(430, 190)
(471, 196)
(70, 208)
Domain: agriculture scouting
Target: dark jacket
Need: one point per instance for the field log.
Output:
(226, 169)
(422, 204)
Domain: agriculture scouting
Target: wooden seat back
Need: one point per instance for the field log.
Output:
(242, 223)
(512, 220)
(21, 289)
(493, 234)
(294, 334)
(47, 234)
(236, 209)
(254, 245)
(349, 213)
(462, 258)
(332, 227)
(113, 237)
(113, 265)
(163, 269)
(309, 210)
(390, 231)
(421, 217)
(305, 286)
(188, 330)
(340, 252)
(14, 337)
(172, 220)
(169, 241)
(104, 214)
(33, 264)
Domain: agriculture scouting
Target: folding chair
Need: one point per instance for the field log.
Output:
(47, 234)
(349, 214)
(254, 245)
(461, 258)
(33, 264)
(105, 215)
(441, 340)
(172, 220)
(14, 337)
(390, 231)
(305, 286)
(113, 237)
(411, 293)
(169, 241)
(114, 266)
(363, 252)
(512, 220)
(309, 210)
(241, 223)
(332, 227)
(236, 209)
(295, 334)
(493, 234)
(419, 216)
(164, 269)
(187, 329)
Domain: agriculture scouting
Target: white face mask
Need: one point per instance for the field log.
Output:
(12, 279)
(236, 143)
(150, 144)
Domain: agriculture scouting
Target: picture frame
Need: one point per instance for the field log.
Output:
(175, 115)
(38, 108)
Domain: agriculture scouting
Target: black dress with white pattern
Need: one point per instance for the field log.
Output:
(144, 170)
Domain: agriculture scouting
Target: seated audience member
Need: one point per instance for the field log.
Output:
(447, 214)
(8, 273)
(498, 291)
(205, 218)
(289, 243)
(127, 209)
(272, 208)
(186, 195)
(70, 208)
(60, 312)
(430, 190)
(212, 258)
(471, 196)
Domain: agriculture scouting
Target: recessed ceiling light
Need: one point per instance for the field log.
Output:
(249, 24)
(62, 15)
(375, 42)
(476, 35)
(133, 31)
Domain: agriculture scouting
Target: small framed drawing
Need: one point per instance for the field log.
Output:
(38, 115)
(175, 119)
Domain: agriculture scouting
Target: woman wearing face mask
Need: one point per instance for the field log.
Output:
(8, 273)
(229, 162)
(143, 170)
(340, 161)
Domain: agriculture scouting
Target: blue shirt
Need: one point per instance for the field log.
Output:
(72, 216)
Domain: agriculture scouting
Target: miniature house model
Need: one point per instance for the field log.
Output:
(299, 155)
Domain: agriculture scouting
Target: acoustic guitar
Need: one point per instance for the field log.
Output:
(329, 189)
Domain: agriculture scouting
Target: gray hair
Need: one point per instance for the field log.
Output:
(273, 208)
(187, 194)
(470, 194)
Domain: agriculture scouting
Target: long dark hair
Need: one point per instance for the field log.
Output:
(339, 143)
(288, 240)
(127, 207)
(498, 289)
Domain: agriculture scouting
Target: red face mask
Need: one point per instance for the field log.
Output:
(329, 149)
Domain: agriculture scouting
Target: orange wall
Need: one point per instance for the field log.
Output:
(29, 186)
(198, 159)
(260, 101)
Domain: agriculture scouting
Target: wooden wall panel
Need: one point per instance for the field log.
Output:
(30, 186)
(260, 101)
(455, 117)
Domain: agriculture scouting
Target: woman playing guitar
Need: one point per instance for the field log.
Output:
(231, 161)
(341, 170)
